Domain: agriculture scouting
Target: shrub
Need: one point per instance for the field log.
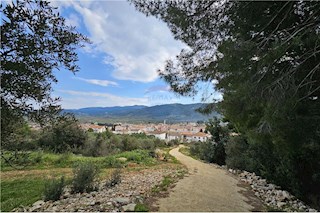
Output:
(141, 208)
(114, 179)
(63, 135)
(53, 189)
(85, 176)
(113, 162)
(63, 158)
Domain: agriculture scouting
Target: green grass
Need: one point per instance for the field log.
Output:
(140, 207)
(13, 193)
(28, 189)
(186, 151)
(164, 185)
(41, 160)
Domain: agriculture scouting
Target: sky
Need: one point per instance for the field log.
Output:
(120, 67)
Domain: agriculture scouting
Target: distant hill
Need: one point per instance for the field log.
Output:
(172, 113)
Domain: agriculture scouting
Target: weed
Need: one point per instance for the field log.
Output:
(163, 186)
(53, 189)
(140, 207)
(114, 179)
(85, 175)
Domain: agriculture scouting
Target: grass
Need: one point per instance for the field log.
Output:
(164, 185)
(140, 207)
(186, 151)
(41, 160)
(13, 193)
(24, 187)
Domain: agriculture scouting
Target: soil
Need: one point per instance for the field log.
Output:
(207, 188)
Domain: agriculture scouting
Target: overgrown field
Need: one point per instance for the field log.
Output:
(24, 187)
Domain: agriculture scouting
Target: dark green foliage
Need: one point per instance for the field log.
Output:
(95, 146)
(35, 40)
(53, 189)
(212, 151)
(84, 178)
(209, 151)
(104, 144)
(63, 135)
(114, 179)
(237, 156)
(265, 58)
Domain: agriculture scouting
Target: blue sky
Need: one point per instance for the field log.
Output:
(120, 67)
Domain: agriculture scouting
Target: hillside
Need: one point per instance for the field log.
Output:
(138, 113)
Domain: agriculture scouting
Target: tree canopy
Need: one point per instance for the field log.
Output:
(35, 40)
(265, 57)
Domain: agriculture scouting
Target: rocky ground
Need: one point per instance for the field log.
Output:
(271, 194)
(134, 188)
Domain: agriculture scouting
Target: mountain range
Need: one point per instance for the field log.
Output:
(172, 113)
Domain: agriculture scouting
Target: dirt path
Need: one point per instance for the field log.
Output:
(207, 189)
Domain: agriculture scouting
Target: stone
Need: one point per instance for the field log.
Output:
(39, 203)
(129, 208)
(286, 195)
(281, 204)
(122, 200)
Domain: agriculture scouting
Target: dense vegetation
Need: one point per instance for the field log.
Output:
(264, 58)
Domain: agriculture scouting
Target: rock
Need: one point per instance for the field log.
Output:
(282, 195)
(129, 208)
(38, 203)
(243, 180)
(312, 210)
(281, 204)
(36, 206)
(122, 200)
(122, 159)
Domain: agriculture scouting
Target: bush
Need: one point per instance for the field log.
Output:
(63, 135)
(236, 149)
(85, 176)
(114, 179)
(53, 189)
(113, 162)
(209, 151)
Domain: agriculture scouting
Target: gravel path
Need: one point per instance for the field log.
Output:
(207, 189)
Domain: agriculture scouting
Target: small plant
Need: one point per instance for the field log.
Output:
(85, 176)
(140, 207)
(38, 157)
(63, 158)
(114, 179)
(163, 186)
(53, 189)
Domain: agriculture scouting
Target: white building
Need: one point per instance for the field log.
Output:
(174, 136)
(195, 137)
(158, 134)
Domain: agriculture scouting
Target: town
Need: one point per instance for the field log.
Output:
(182, 132)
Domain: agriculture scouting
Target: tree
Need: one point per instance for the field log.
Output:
(265, 58)
(35, 40)
(65, 134)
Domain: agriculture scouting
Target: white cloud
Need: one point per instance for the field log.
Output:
(80, 99)
(103, 83)
(73, 20)
(138, 45)
(158, 88)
